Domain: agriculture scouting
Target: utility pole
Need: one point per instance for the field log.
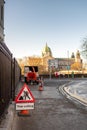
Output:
(49, 63)
(68, 63)
(50, 72)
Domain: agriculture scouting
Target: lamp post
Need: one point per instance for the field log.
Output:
(50, 72)
(68, 63)
(49, 63)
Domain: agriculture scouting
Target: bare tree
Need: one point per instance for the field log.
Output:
(84, 48)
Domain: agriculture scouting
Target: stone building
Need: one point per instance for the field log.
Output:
(60, 64)
(46, 60)
(41, 62)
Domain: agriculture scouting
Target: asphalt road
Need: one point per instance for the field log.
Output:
(52, 111)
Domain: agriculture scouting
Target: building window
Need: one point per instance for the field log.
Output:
(1, 12)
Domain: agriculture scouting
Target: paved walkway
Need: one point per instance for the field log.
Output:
(7, 120)
(77, 90)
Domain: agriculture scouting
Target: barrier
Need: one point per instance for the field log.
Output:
(9, 76)
(24, 113)
(40, 86)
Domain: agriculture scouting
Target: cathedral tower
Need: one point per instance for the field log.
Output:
(78, 58)
(46, 51)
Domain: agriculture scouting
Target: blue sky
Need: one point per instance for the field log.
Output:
(30, 24)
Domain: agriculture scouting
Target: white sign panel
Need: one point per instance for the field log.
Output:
(24, 106)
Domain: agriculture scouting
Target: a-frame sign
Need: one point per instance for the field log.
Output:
(25, 99)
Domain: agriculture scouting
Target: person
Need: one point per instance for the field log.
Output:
(56, 74)
(24, 96)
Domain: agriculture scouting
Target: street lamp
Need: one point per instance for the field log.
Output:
(68, 63)
(50, 72)
(49, 63)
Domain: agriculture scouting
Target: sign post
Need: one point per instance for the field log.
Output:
(25, 99)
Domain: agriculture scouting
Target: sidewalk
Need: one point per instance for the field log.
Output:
(8, 118)
(77, 91)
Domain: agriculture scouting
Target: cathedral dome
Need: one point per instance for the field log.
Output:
(46, 51)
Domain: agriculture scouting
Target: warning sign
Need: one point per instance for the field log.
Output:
(25, 95)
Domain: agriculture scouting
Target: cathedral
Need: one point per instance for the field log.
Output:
(41, 62)
(46, 60)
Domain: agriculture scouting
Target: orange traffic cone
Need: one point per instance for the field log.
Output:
(24, 113)
(40, 86)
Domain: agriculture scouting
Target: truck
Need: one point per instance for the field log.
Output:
(31, 74)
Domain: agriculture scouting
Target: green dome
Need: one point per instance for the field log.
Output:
(46, 51)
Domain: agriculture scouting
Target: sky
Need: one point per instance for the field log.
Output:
(30, 24)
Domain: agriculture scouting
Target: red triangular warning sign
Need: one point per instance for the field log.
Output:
(24, 95)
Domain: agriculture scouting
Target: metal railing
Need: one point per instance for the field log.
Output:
(9, 76)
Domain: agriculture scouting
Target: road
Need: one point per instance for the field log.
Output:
(52, 111)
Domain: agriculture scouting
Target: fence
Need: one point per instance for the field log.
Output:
(16, 74)
(9, 76)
